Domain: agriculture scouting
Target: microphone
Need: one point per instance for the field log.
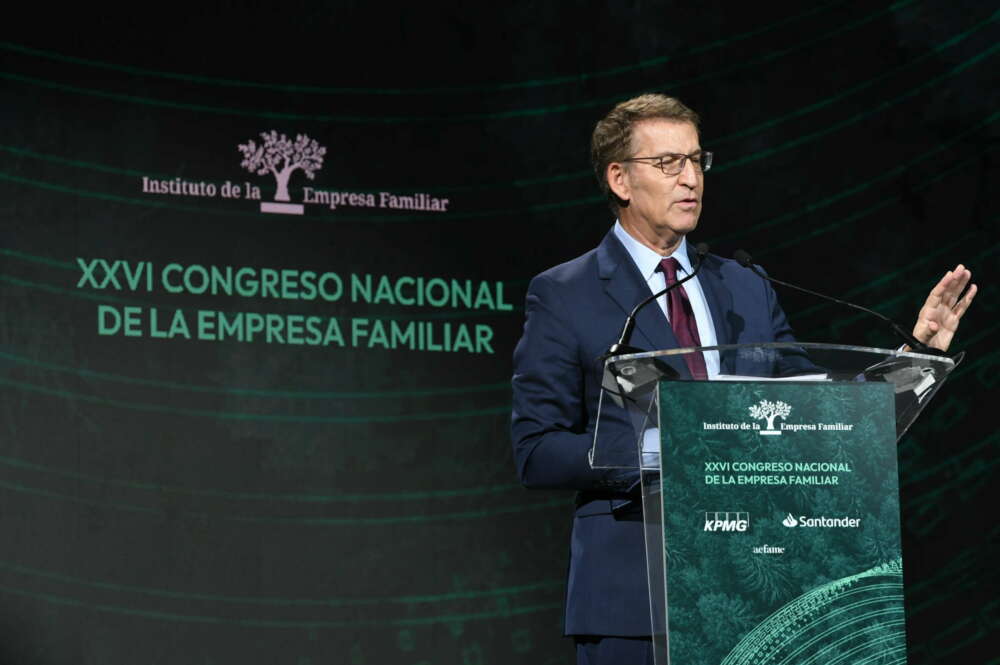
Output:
(621, 347)
(744, 259)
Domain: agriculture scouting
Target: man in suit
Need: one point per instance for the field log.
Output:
(648, 160)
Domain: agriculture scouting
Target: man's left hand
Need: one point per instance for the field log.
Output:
(938, 318)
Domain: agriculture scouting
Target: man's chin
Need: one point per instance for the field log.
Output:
(684, 224)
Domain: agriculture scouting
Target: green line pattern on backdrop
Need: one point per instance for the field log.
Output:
(346, 497)
(768, 58)
(510, 85)
(254, 392)
(302, 520)
(278, 601)
(503, 409)
(586, 174)
(278, 623)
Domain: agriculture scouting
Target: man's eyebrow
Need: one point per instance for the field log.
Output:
(662, 155)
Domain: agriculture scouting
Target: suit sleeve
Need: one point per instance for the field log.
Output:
(552, 423)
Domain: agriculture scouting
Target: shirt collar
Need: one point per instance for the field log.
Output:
(646, 259)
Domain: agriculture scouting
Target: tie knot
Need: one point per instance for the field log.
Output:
(669, 267)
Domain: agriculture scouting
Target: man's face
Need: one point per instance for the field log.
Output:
(667, 206)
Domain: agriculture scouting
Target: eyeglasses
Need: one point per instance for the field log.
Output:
(673, 163)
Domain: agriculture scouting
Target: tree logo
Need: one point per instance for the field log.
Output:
(280, 156)
(768, 410)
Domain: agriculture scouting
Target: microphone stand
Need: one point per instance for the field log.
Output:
(744, 259)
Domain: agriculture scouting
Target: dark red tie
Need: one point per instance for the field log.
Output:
(682, 319)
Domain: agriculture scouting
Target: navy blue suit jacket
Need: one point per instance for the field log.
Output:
(574, 312)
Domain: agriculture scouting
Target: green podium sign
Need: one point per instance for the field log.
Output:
(781, 533)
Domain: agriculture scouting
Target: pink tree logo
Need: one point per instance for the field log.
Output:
(280, 156)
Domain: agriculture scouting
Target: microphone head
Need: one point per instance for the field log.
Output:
(743, 258)
(701, 249)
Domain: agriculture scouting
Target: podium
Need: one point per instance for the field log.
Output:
(770, 497)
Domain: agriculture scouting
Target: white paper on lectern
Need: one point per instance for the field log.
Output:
(801, 377)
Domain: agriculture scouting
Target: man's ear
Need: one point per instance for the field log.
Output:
(617, 178)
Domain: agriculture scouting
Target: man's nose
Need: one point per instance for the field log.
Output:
(689, 174)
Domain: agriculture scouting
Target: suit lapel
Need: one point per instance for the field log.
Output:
(624, 285)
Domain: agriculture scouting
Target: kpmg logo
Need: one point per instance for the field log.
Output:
(281, 157)
(727, 521)
(768, 410)
(821, 522)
